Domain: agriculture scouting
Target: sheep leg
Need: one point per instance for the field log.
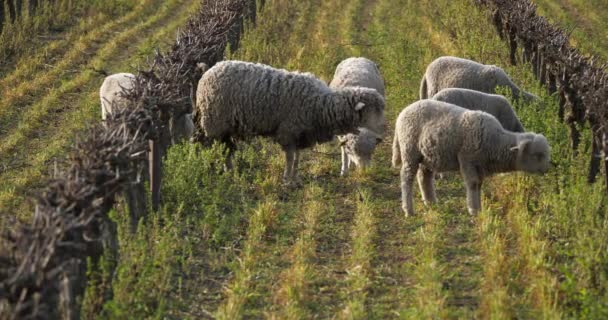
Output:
(344, 169)
(408, 171)
(230, 147)
(294, 167)
(472, 182)
(290, 152)
(427, 186)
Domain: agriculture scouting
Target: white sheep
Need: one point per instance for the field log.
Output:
(433, 136)
(239, 99)
(453, 72)
(357, 149)
(111, 92)
(494, 104)
(111, 95)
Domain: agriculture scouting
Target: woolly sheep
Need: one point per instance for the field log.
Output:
(434, 136)
(453, 72)
(111, 97)
(357, 149)
(494, 104)
(239, 99)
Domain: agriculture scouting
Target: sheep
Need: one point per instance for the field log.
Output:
(111, 90)
(111, 95)
(181, 127)
(494, 104)
(434, 136)
(238, 99)
(358, 72)
(357, 149)
(453, 72)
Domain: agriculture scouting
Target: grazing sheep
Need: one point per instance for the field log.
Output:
(434, 136)
(357, 149)
(452, 72)
(111, 90)
(110, 93)
(358, 72)
(494, 104)
(239, 99)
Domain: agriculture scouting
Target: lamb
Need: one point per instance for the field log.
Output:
(239, 100)
(494, 104)
(453, 72)
(111, 95)
(357, 149)
(434, 136)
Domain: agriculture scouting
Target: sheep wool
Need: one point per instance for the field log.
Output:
(357, 149)
(433, 136)
(358, 72)
(239, 100)
(452, 72)
(494, 104)
(111, 90)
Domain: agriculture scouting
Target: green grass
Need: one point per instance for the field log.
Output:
(42, 129)
(585, 20)
(56, 19)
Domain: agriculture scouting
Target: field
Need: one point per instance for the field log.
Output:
(242, 245)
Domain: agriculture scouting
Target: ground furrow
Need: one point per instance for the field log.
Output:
(360, 272)
(292, 297)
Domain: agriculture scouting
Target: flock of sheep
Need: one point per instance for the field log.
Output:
(458, 125)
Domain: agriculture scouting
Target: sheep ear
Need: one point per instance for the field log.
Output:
(359, 106)
(522, 146)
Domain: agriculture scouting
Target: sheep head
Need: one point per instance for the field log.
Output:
(360, 146)
(533, 154)
(369, 104)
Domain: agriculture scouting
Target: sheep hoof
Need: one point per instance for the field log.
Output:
(473, 211)
(408, 212)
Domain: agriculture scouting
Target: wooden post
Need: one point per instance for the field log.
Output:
(155, 173)
(1, 15)
(605, 145)
(32, 6)
(596, 155)
(512, 47)
(19, 8)
(11, 11)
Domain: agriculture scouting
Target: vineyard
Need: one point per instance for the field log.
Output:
(240, 243)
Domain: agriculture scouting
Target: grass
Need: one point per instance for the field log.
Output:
(47, 125)
(240, 244)
(53, 20)
(585, 20)
(363, 251)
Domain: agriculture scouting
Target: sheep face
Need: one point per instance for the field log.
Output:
(370, 106)
(533, 154)
(360, 146)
